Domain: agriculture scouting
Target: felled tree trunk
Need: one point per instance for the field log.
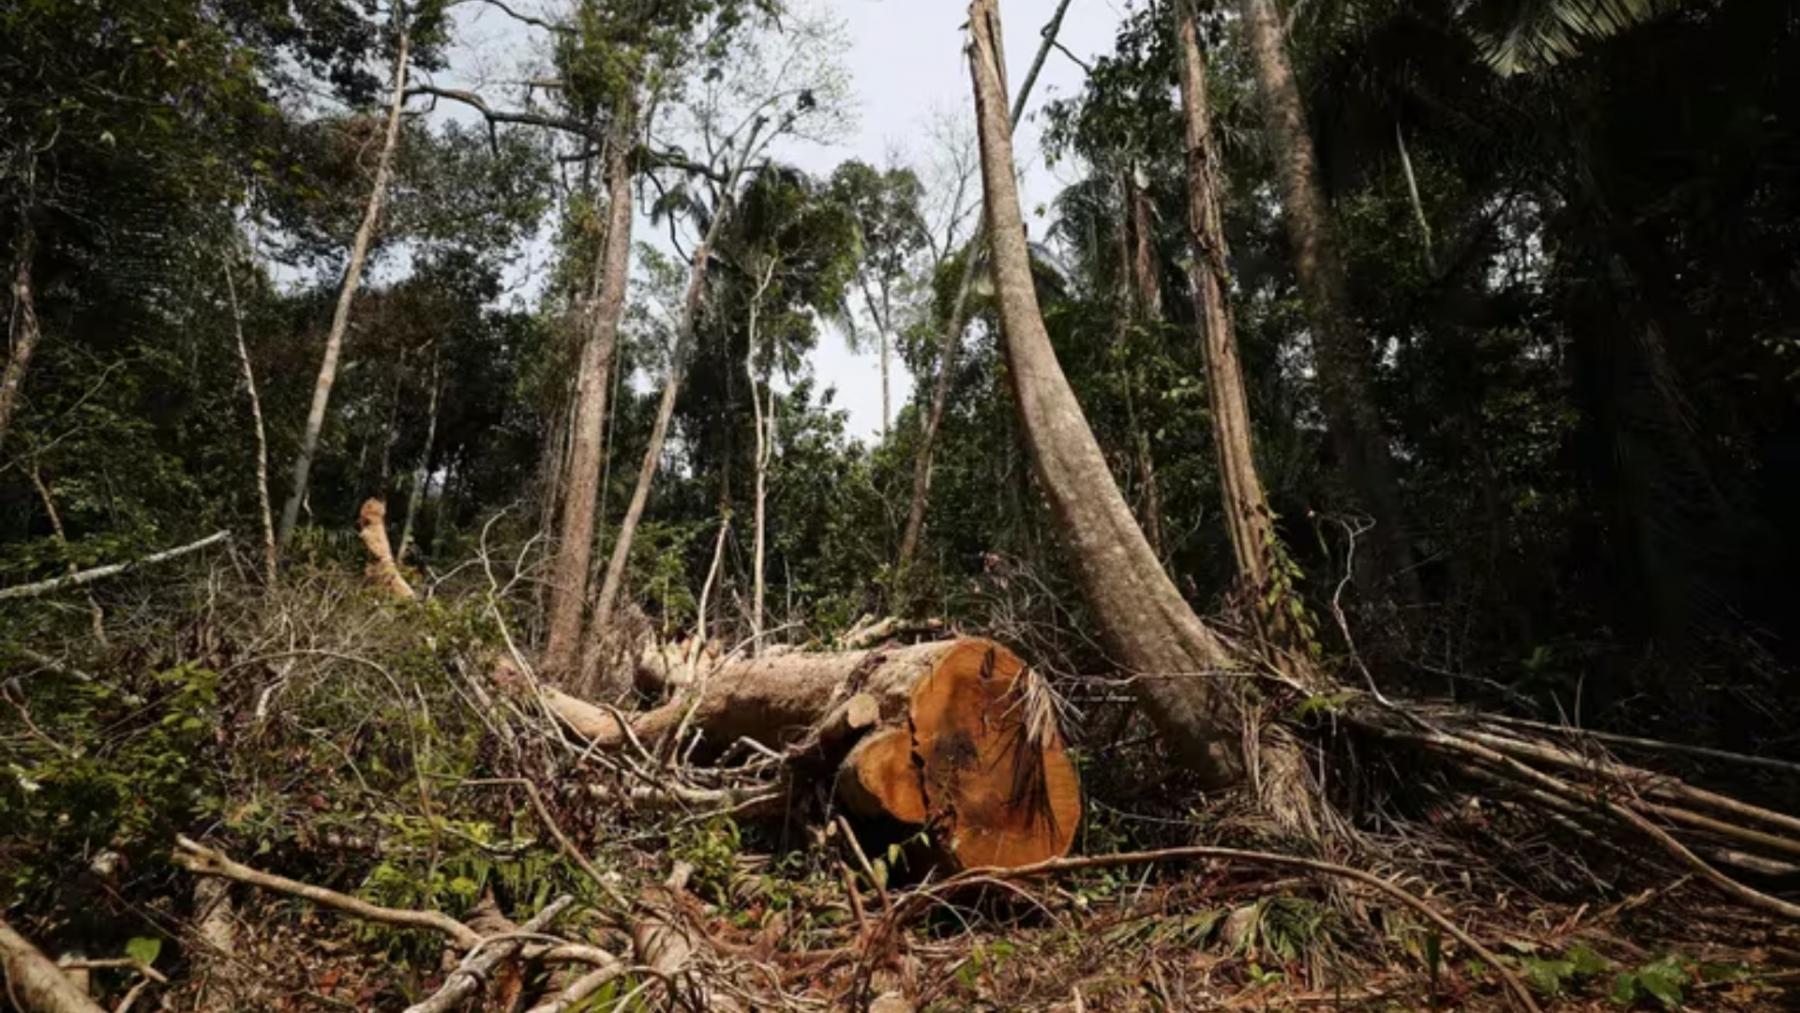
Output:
(953, 736)
(38, 985)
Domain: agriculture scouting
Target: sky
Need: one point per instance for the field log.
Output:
(907, 69)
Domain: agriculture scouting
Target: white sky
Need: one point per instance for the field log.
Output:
(906, 64)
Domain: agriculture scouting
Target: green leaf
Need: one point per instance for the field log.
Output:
(1587, 962)
(144, 949)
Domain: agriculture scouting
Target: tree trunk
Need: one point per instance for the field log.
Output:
(1143, 301)
(1412, 193)
(950, 340)
(271, 571)
(764, 422)
(25, 333)
(1340, 352)
(340, 319)
(1168, 649)
(382, 571)
(614, 683)
(422, 474)
(1143, 249)
(35, 982)
(1247, 516)
(575, 542)
(954, 736)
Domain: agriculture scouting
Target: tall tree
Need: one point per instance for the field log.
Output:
(605, 305)
(1357, 433)
(775, 95)
(891, 230)
(1168, 650)
(353, 271)
(1247, 515)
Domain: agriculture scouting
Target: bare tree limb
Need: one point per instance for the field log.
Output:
(110, 570)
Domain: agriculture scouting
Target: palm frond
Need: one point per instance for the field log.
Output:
(1522, 35)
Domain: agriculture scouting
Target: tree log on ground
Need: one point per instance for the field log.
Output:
(957, 736)
(36, 983)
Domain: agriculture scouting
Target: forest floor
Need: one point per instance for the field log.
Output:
(347, 742)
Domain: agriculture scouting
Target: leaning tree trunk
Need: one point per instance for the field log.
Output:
(950, 339)
(25, 333)
(1356, 430)
(1157, 635)
(37, 984)
(271, 571)
(575, 543)
(952, 736)
(340, 318)
(1247, 516)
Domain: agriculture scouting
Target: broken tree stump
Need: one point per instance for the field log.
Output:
(955, 736)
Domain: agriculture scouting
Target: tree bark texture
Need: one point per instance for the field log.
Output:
(951, 735)
(37, 983)
(1170, 653)
(575, 542)
(25, 333)
(340, 318)
(1247, 516)
(1340, 352)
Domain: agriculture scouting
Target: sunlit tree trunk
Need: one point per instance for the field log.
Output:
(1247, 516)
(25, 333)
(270, 556)
(340, 319)
(1356, 430)
(1181, 670)
(764, 422)
(575, 541)
(1149, 623)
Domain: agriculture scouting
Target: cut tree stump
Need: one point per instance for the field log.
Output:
(954, 736)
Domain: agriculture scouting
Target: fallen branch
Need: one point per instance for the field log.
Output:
(84, 577)
(38, 985)
(1653, 745)
(198, 858)
(921, 898)
(466, 981)
(1446, 742)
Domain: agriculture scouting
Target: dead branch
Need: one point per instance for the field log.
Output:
(1653, 745)
(35, 984)
(86, 577)
(197, 858)
(1441, 741)
(478, 964)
